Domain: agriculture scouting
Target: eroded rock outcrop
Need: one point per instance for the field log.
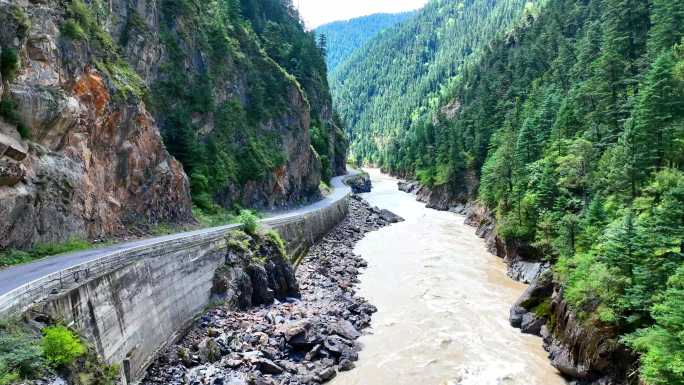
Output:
(359, 183)
(588, 352)
(91, 162)
(524, 262)
(579, 349)
(256, 272)
(444, 197)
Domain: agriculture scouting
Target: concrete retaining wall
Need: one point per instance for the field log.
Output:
(132, 311)
(301, 233)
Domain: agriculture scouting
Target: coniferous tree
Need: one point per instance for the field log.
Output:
(573, 125)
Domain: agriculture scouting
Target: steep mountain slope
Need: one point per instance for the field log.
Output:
(569, 131)
(344, 37)
(238, 117)
(378, 90)
(237, 90)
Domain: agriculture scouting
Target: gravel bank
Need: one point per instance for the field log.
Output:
(304, 340)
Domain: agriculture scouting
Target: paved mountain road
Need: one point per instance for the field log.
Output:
(17, 276)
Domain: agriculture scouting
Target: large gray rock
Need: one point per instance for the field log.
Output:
(247, 280)
(390, 216)
(262, 293)
(526, 313)
(359, 183)
(11, 173)
(410, 187)
(12, 148)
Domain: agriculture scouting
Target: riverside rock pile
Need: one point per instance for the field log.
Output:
(303, 340)
(360, 183)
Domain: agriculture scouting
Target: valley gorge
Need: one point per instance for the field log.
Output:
(556, 130)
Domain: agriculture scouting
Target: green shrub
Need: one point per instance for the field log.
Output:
(218, 216)
(22, 20)
(21, 355)
(277, 240)
(9, 63)
(249, 221)
(543, 309)
(89, 27)
(61, 346)
(48, 249)
(320, 143)
(239, 241)
(73, 30)
(8, 111)
(15, 257)
(8, 378)
(126, 81)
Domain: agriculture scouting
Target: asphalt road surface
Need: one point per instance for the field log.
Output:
(17, 276)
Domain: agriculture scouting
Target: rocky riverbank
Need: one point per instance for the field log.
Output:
(302, 340)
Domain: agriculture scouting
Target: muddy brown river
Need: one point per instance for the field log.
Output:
(443, 304)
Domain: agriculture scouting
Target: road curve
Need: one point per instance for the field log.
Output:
(18, 276)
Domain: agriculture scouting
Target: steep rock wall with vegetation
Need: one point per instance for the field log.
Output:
(241, 94)
(81, 155)
(118, 114)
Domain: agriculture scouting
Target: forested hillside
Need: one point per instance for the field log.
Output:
(571, 129)
(239, 120)
(342, 38)
(378, 90)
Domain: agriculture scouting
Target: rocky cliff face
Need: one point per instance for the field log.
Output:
(99, 99)
(88, 162)
(238, 88)
(587, 352)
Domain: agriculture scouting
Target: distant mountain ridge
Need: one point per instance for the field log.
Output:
(382, 87)
(346, 36)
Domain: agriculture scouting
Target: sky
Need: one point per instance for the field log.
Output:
(317, 12)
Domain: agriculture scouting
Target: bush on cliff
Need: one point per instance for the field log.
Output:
(249, 221)
(662, 345)
(278, 241)
(73, 30)
(9, 63)
(8, 111)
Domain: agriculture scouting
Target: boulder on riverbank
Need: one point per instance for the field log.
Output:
(409, 187)
(360, 183)
(257, 272)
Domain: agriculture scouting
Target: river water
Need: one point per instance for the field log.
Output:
(443, 304)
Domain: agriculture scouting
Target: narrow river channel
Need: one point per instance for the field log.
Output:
(443, 304)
